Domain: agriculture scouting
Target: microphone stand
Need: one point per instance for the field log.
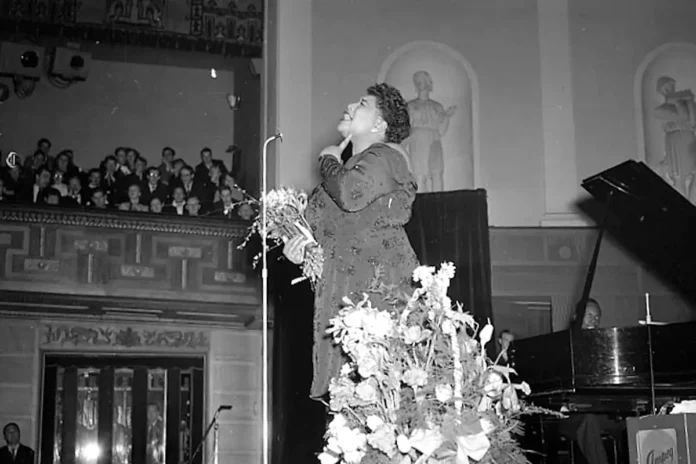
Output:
(213, 425)
(264, 290)
(648, 323)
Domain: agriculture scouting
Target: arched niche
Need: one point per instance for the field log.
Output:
(676, 61)
(454, 83)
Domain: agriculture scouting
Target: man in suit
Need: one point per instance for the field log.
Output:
(15, 452)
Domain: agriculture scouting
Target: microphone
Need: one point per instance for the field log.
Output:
(11, 159)
(225, 407)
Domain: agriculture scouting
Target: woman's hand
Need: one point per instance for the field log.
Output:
(294, 248)
(336, 150)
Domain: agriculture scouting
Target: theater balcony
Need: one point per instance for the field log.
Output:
(115, 264)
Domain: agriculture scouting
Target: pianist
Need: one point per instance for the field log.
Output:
(505, 339)
(591, 316)
(586, 429)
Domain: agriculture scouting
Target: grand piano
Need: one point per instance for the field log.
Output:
(631, 370)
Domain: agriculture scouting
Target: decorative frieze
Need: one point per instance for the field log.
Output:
(111, 336)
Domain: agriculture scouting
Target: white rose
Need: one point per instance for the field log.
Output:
(353, 457)
(448, 327)
(416, 377)
(353, 319)
(403, 443)
(412, 335)
(350, 440)
(327, 458)
(487, 425)
(366, 392)
(368, 366)
(374, 422)
(443, 393)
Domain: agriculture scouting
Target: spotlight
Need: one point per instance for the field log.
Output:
(70, 64)
(30, 59)
(21, 59)
(77, 62)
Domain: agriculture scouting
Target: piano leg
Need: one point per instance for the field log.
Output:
(542, 440)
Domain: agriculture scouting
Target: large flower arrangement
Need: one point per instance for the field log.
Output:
(419, 387)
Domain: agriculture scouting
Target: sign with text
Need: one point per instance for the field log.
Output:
(657, 446)
(668, 439)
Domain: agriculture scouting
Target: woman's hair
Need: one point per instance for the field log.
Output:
(393, 110)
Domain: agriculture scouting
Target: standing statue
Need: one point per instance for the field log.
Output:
(678, 116)
(429, 123)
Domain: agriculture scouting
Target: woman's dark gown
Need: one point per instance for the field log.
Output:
(357, 215)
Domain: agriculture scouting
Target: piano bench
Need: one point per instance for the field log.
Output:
(569, 453)
(612, 447)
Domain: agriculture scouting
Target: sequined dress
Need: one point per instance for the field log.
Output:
(357, 215)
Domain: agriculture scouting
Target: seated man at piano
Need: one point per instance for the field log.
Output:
(583, 428)
(505, 340)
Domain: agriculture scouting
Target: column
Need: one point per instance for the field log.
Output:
(560, 170)
(295, 159)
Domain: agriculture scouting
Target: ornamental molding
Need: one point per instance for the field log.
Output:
(207, 226)
(121, 337)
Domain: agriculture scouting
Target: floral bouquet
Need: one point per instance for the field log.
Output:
(285, 208)
(419, 388)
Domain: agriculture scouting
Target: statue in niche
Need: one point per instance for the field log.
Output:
(429, 123)
(678, 116)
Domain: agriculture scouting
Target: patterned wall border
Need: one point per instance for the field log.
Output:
(109, 336)
(206, 226)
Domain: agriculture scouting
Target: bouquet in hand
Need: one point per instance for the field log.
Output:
(285, 208)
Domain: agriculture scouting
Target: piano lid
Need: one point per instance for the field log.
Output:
(654, 221)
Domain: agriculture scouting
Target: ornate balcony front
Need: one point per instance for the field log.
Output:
(130, 265)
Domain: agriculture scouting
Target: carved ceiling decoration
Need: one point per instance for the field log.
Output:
(223, 27)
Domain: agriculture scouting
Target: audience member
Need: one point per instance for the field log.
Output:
(125, 182)
(14, 452)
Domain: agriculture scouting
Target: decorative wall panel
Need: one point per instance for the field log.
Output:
(229, 27)
(129, 257)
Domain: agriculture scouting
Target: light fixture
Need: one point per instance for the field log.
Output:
(234, 101)
(30, 59)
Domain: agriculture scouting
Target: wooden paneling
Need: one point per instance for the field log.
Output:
(194, 263)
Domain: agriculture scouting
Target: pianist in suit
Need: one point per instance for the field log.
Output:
(586, 429)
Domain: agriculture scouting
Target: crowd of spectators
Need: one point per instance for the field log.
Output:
(125, 181)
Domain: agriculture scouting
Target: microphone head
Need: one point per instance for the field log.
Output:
(279, 135)
(11, 159)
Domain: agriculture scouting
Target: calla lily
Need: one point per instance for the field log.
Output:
(486, 334)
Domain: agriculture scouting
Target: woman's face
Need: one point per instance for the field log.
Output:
(360, 117)
(669, 88)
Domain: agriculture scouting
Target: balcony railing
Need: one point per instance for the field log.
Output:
(134, 265)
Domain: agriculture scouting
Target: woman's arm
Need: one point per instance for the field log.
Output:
(355, 188)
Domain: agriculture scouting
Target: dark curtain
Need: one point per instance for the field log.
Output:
(453, 226)
(449, 226)
(298, 422)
